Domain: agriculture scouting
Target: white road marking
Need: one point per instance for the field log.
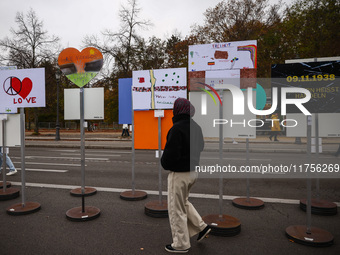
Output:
(44, 170)
(50, 164)
(241, 159)
(44, 157)
(89, 150)
(153, 192)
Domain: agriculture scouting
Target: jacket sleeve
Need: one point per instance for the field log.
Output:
(173, 150)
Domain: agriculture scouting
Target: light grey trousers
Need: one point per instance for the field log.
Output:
(185, 221)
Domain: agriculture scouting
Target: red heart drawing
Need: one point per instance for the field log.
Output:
(26, 87)
(22, 88)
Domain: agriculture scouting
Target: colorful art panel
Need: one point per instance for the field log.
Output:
(80, 67)
(223, 56)
(158, 89)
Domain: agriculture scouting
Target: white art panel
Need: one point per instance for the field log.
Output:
(234, 126)
(12, 130)
(22, 88)
(93, 104)
(329, 125)
(158, 89)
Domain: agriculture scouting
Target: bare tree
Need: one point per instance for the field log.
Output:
(30, 46)
(120, 46)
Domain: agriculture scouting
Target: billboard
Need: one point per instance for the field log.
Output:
(320, 78)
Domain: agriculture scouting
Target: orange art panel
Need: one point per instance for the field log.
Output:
(146, 129)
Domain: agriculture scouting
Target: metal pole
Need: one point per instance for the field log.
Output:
(82, 146)
(309, 185)
(317, 152)
(247, 160)
(133, 153)
(4, 155)
(221, 156)
(23, 171)
(57, 134)
(159, 157)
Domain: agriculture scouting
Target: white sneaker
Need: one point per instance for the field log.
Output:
(12, 172)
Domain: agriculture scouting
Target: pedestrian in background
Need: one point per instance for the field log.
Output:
(338, 152)
(9, 163)
(125, 130)
(275, 128)
(180, 157)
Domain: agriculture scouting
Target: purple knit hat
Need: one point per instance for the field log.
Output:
(183, 106)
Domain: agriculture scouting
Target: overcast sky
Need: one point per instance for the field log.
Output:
(71, 20)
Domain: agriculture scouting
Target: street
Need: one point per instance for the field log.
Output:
(109, 168)
(123, 228)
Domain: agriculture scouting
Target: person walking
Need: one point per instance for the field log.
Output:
(338, 152)
(125, 130)
(181, 154)
(9, 163)
(275, 128)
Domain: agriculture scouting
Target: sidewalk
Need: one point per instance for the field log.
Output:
(113, 140)
(124, 229)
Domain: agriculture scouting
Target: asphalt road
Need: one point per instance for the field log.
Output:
(123, 228)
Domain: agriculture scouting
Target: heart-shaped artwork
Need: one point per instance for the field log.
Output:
(80, 67)
(23, 88)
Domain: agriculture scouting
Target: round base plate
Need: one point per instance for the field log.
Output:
(317, 237)
(8, 184)
(320, 207)
(156, 209)
(10, 193)
(88, 191)
(133, 195)
(223, 225)
(248, 203)
(19, 209)
(76, 214)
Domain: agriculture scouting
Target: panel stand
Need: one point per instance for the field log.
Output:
(133, 195)
(83, 213)
(309, 235)
(88, 191)
(6, 193)
(221, 224)
(8, 184)
(158, 209)
(24, 207)
(248, 202)
(319, 207)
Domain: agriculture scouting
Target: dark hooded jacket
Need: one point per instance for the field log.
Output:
(184, 145)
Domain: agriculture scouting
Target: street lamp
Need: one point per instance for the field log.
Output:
(57, 126)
